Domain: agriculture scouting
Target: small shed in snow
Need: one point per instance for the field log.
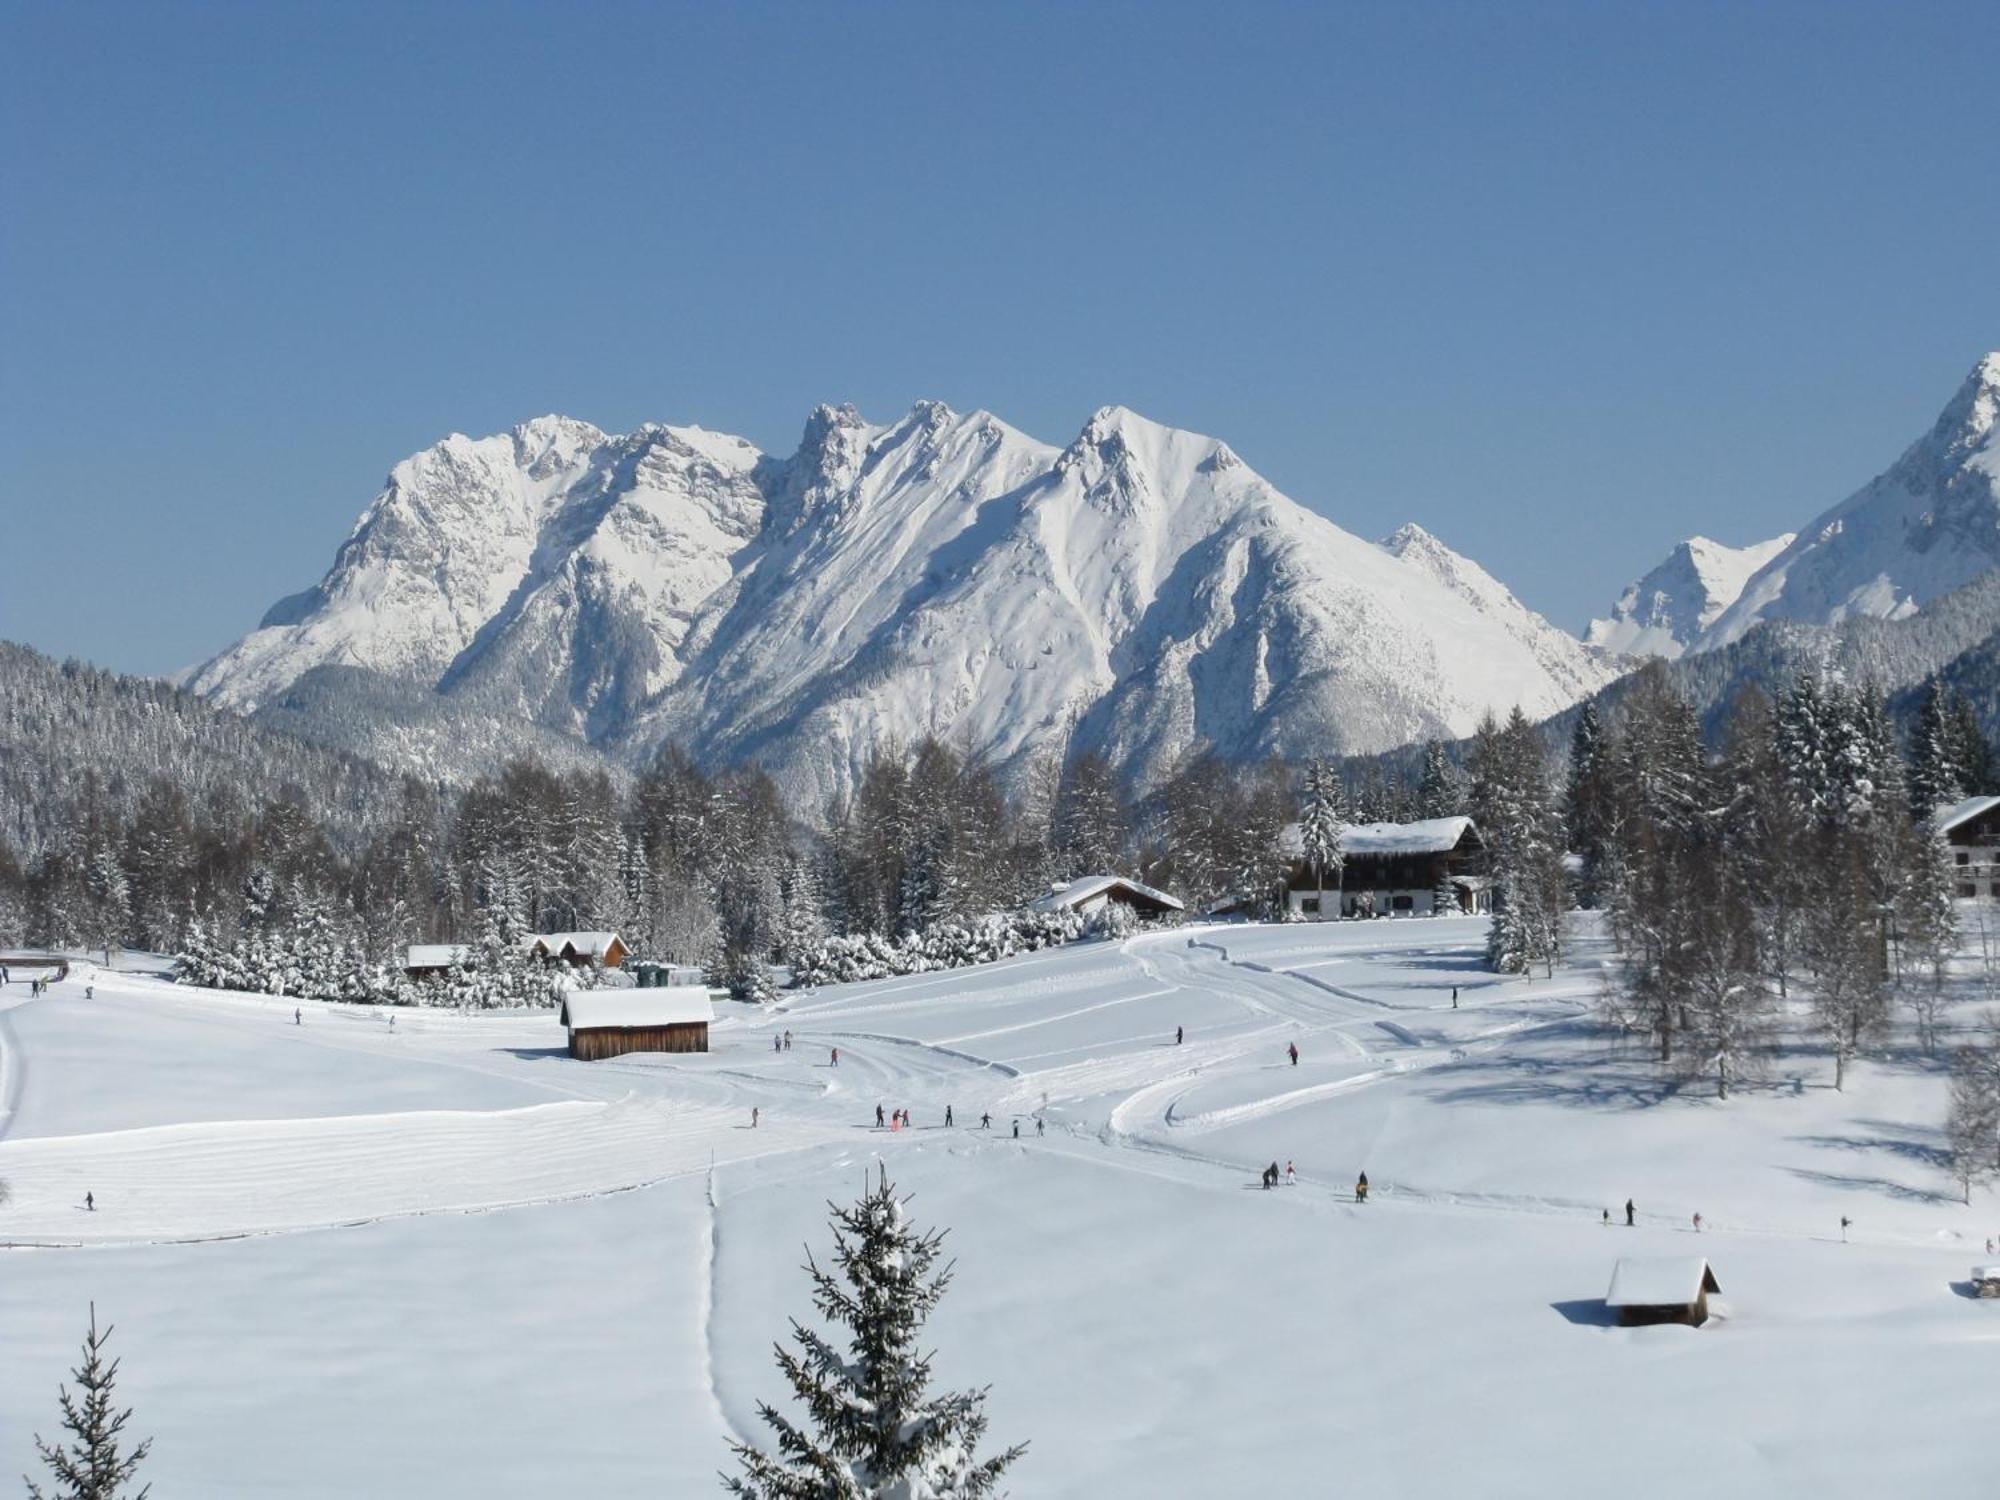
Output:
(1093, 891)
(1661, 1289)
(580, 949)
(425, 959)
(610, 1023)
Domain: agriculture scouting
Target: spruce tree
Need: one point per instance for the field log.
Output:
(874, 1432)
(1438, 794)
(92, 1466)
(1320, 828)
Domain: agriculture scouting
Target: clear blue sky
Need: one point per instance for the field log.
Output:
(1563, 283)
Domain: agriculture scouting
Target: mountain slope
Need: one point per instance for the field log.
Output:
(1667, 610)
(1139, 592)
(1929, 524)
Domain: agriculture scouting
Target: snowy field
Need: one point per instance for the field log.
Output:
(446, 1260)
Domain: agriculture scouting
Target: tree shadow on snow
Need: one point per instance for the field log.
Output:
(1882, 1185)
(1605, 1081)
(1924, 1153)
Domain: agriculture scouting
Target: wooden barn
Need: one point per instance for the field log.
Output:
(1094, 891)
(610, 1023)
(580, 949)
(1661, 1289)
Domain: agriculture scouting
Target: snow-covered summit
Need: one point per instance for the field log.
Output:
(1924, 527)
(1141, 591)
(1665, 612)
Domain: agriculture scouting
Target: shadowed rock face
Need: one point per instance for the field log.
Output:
(1140, 592)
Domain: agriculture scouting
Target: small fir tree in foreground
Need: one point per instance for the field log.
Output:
(92, 1467)
(874, 1433)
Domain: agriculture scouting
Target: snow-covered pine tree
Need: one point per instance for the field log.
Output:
(873, 1430)
(1321, 823)
(1972, 1123)
(1438, 791)
(1588, 800)
(93, 1466)
(1937, 778)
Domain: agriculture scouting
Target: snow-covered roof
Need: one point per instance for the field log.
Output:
(1079, 891)
(589, 944)
(435, 955)
(669, 1005)
(1986, 1273)
(1426, 836)
(1965, 812)
(1659, 1281)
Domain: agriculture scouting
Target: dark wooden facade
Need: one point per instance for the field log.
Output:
(594, 1043)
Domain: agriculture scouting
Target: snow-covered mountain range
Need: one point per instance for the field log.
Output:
(1140, 592)
(1926, 526)
(1666, 611)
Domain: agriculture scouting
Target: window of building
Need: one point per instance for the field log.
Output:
(1968, 890)
(1963, 857)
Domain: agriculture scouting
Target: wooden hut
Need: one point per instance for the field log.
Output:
(580, 949)
(1427, 868)
(1661, 1289)
(610, 1023)
(1094, 891)
(427, 960)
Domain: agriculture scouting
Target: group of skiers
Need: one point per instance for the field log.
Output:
(1272, 1177)
(782, 1042)
(899, 1119)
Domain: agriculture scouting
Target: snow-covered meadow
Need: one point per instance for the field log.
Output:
(445, 1259)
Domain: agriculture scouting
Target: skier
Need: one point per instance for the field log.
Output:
(1041, 1125)
(947, 1117)
(836, 1057)
(777, 1044)
(986, 1122)
(1291, 1175)
(1180, 1035)
(879, 1121)
(392, 1023)
(90, 992)
(1361, 1188)
(298, 1016)
(1017, 1130)
(788, 1041)
(1607, 1218)
(753, 1117)
(1454, 997)
(1270, 1177)
(1628, 1213)
(1697, 1223)
(1293, 1048)
(89, 1203)
(1845, 1221)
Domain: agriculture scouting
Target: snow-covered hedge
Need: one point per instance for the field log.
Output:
(867, 955)
(306, 965)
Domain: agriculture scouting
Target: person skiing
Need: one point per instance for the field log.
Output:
(879, 1122)
(788, 1041)
(90, 992)
(1628, 1213)
(1454, 997)
(1845, 1221)
(1361, 1188)
(1180, 1035)
(89, 1203)
(947, 1117)
(1017, 1130)
(1270, 1177)
(392, 1022)
(1697, 1223)
(1041, 1125)
(753, 1117)
(986, 1122)
(836, 1057)
(1291, 1175)
(1293, 1048)
(298, 1016)
(777, 1044)
(1607, 1218)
